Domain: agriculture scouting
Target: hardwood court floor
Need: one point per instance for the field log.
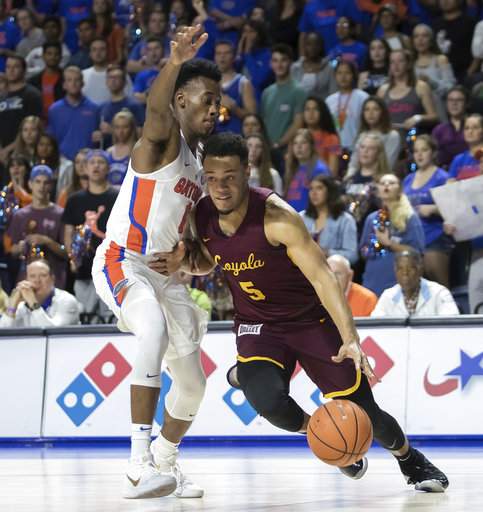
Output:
(241, 479)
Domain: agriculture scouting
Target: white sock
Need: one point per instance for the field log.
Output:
(140, 439)
(166, 453)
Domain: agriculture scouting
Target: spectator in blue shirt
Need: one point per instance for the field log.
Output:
(393, 228)
(144, 79)
(465, 165)
(10, 35)
(86, 32)
(229, 17)
(73, 11)
(348, 48)
(417, 186)
(73, 119)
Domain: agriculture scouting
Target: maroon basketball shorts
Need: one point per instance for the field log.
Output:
(311, 344)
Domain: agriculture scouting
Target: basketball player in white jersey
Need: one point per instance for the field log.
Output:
(162, 184)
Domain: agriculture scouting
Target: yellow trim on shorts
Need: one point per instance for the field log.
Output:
(259, 358)
(346, 392)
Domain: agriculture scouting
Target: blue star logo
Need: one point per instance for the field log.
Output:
(469, 367)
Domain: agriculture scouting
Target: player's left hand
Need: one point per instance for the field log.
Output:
(352, 350)
(167, 263)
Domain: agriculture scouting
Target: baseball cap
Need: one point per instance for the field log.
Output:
(41, 170)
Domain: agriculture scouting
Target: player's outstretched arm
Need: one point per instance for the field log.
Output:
(284, 226)
(159, 143)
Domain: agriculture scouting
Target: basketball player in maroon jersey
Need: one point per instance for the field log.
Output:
(289, 306)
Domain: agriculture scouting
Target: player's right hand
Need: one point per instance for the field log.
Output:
(184, 46)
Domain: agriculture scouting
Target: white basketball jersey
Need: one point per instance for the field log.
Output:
(152, 210)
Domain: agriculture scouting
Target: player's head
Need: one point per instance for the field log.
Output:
(197, 96)
(225, 164)
(408, 266)
(341, 267)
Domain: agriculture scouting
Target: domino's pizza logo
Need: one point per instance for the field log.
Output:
(94, 384)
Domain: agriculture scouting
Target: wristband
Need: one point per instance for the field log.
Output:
(11, 311)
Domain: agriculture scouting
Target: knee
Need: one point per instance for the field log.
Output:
(268, 402)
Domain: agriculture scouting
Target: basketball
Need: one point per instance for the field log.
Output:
(339, 433)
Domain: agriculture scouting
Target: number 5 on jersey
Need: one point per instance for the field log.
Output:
(253, 293)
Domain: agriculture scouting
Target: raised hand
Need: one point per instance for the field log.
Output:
(184, 46)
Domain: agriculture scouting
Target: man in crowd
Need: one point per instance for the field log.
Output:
(86, 32)
(361, 300)
(413, 295)
(36, 230)
(153, 59)
(36, 302)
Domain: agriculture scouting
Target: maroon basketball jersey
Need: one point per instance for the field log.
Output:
(266, 286)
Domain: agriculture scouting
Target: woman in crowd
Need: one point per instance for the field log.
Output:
(449, 136)
(409, 100)
(376, 71)
(360, 188)
(346, 104)
(32, 36)
(348, 47)
(430, 64)
(47, 153)
(123, 137)
(110, 31)
(313, 71)
(261, 172)
(17, 191)
(375, 119)
(417, 187)
(302, 165)
(391, 229)
(253, 123)
(388, 21)
(27, 137)
(466, 165)
(318, 119)
(331, 227)
(79, 179)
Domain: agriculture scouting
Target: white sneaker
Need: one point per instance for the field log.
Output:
(185, 488)
(144, 480)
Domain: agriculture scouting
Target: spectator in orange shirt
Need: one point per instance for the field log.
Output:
(361, 300)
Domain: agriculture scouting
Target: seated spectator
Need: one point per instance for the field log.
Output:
(109, 30)
(375, 120)
(237, 93)
(261, 172)
(52, 28)
(32, 36)
(37, 302)
(254, 55)
(313, 71)
(281, 107)
(388, 20)
(409, 100)
(157, 25)
(253, 124)
(346, 104)
(10, 35)
(79, 178)
(28, 135)
(360, 187)
(330, 226)
(116, 83)
(413, 295)
(392, 229)
(154, 60)
(348, 48)
(36, 230)
(74, 118)
(90, 207)
(361, 300)
(47, 153)
(86, 32)
(303, 165)
(417, 186)
(466, 165)
(22, 100)
(124, 137)
(450, 136)
(376, 70)
(430, 64)
(318, 119)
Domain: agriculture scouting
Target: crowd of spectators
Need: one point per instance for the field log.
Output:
(352, 110)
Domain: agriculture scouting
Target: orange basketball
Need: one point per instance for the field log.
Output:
(339, 433)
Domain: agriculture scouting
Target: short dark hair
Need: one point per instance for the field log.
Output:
(410, 253)
(154, 39)
(19, 58)
(196, 68)
(96, 39)
(53, 44)
(226, 144)
(52, 19)
(225, 42)
(284, 49)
